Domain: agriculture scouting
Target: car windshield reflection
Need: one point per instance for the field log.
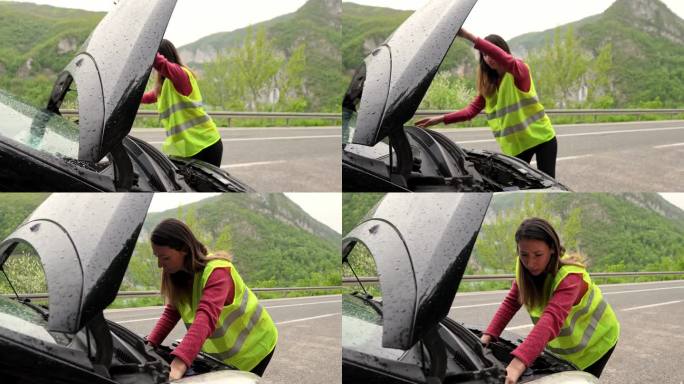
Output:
(38, 129)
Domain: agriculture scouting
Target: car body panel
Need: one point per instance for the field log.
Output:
(91, 242)
(421, 245)
(411, 56)
(111, 71)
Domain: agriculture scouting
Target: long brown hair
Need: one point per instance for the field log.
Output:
(177, 235)
(534, 228)
(169, 51)
(487, 77)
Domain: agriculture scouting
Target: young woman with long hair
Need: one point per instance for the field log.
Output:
(507, 94)
(190, 131)
(222, 315)
(569, 313)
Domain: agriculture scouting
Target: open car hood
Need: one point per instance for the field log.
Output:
(84, 242)
(421, 244)
(111, 71)
(399, 72)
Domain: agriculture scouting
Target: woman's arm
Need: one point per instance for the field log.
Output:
(218, 290)
(173, 72)
(467, 113)
(164, 325)
(508, 308)
(568, 293)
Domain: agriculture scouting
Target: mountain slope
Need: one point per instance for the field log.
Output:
(37, 42)
(316, 24)
(648, 49)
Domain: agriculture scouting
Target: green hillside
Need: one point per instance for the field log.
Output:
(37, 42)
(366, 27)
(612, 232)
(317, 25)
(647, 45)
(274, 242)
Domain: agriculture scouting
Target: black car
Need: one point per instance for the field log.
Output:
(42, 151)
(84, 243)
(381, 154)
(421, 244)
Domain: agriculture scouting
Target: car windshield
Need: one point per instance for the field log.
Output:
(362, 329)
(38, 129)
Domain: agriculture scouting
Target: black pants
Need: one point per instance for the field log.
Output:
(546, 156)
(211, 154)
(596, 368)
(261, 367)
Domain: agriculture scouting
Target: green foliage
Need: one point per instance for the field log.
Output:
(447, 91)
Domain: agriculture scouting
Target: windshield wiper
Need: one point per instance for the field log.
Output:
(8, 280)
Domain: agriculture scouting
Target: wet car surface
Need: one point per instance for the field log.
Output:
(84, 243)
(381, 154)
(42, 151)
(421, 244)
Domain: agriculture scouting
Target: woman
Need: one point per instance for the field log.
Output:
(509, 99)
(190, 131)
(222, 315)
(566, 307)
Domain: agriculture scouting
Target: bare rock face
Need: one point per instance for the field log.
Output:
(69, 44)
(653, 17)
(25, 69)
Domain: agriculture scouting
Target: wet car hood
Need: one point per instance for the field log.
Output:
(111, 71)
(84, 242)
(421, 244)
(399, 72)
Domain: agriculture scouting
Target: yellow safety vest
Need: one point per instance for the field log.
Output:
(245, 332)
(189, 129)
(517, 118)
(589, 330)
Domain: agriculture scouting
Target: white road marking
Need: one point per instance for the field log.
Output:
(253, 164)
(297, 305)
(138, 320)
(268, 138)
(308, 318)
(519, 327)
(668, 145)
(652, 305)
(641, 290)
(476, 305)
(226, 129)
(565, 158)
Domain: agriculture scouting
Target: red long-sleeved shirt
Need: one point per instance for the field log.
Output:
(173, 72)
(516, 67)
(568, 293)
(218, 291)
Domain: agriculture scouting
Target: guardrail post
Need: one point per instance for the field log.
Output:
(229, 122)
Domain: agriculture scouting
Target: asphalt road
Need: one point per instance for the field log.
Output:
(651, 317)
(308, 349)
(290, 159)
(614, 157)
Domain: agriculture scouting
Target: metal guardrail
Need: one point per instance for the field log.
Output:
(337, 117)
(420, 113)
(374, 279)
(39, 296)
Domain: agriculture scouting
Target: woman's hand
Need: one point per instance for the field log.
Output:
(429, 121)
(178, 369)
(466, 35)
(514, 370)
(485, 339)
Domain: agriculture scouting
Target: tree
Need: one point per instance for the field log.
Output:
(447, 91)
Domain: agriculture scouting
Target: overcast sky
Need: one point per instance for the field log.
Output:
(324, 207)
(192, 20)
(675, 198)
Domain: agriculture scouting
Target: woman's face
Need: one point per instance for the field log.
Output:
(171, 260)
(534, 255)
(490, 62)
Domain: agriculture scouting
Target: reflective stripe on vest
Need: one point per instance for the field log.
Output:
(189, 129)
(244, 333)
(517, 118)
(591, 327)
